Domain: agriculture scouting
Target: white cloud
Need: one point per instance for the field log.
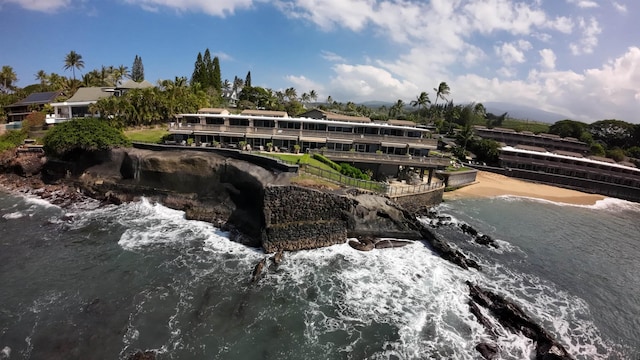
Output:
(305, 85)
(366, 82)
(622, 8)
(590, 31)
(331, 56)
(585, 4)
(216, 8)
(513, 52)
(548, 59)
(41, 5)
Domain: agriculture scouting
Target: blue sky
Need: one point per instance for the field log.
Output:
(580, 58)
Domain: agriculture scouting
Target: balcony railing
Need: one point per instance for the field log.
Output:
(386, 158)
(248, 131)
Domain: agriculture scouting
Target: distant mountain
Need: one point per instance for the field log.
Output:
(523, 112)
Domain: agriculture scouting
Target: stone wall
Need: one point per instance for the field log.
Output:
(417, 202)
(298, 218)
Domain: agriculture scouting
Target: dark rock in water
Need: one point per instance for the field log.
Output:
(486, 240)
(513, 318)
(489, 351)
(258, 270)
(442, 248)
(140, 355)
(362, 245)
(385, 244)
(468, 229)
(277, 257)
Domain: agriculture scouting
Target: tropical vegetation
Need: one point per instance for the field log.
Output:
(82, 135)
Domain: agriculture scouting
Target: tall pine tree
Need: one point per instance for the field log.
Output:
(217, 76)
(207, 80)
(198, 67)
(247, 81)
(137, 70)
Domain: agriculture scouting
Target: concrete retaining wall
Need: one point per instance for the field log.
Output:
(458, 178)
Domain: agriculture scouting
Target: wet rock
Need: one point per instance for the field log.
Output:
(489, 351)
(513, 318)
(386, 244)
(277, 257)
(256, 275)
(142, 355)
(365, 244)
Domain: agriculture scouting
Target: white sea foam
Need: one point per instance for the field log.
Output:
(38, 201)
(558, 312)
(613, 204)
(418, 293)
(13, 215)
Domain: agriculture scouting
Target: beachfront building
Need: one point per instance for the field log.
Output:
(263, 129)
(565, 164)
(549, 142)
(34, 102)
(123, 87)
(77, 106)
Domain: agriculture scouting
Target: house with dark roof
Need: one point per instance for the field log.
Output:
(77, 106)
(33, 102)
(125, 86)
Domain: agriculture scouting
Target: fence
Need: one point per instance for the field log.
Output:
(344, 180)
(398, 191)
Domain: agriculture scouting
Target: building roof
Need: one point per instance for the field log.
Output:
(602, 159)
(265, 113)
(568, 153)
(37, 98)
(130, 84)
(401, 122)
(328, 115)
(89, 94)
(531, 148)
(213, 111)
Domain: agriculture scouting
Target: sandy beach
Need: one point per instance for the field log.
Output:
(491, 185)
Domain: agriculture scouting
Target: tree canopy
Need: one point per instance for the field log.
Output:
(87, 134)
(137, 70)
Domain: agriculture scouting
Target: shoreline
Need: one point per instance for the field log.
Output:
(489, 185)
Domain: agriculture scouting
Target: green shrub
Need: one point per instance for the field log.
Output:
(87, 134)
(353, 172)
(323, 159)
(12, 139)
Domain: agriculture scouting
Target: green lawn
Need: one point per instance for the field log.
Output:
(146, 135)
(299, 159)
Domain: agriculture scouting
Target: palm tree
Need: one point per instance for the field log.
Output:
(480, 110)
(8, 77)
(313, 95)
(226, 85)
(73, 61)
(329, 100)
(305, 98)
(291, 94)
(421, 100)
(396, 109)
(442, 90)
(120, 73)
(56, 81)
(42, 76)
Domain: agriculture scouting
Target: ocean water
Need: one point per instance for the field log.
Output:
(101, 282)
